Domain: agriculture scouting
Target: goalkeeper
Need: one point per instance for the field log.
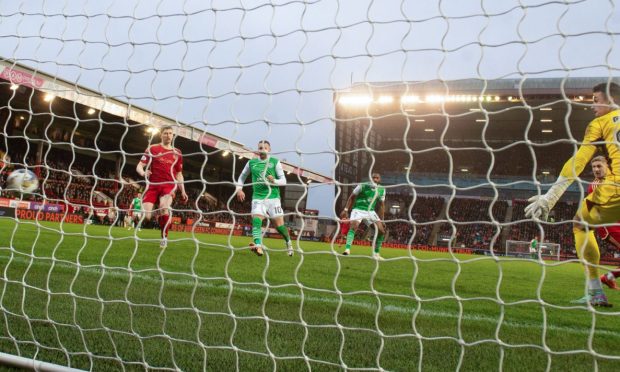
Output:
(602, 206)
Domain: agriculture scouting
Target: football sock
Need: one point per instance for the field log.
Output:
(257, 223)
(163, 225)
(594, 285)
(587, 248)
(283, 230)
(350, 237)
(379, 242)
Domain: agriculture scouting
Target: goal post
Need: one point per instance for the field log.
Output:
(523, 249)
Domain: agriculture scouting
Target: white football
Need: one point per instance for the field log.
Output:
(22, 180)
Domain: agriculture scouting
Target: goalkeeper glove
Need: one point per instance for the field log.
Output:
(538, 208)
(540, 205)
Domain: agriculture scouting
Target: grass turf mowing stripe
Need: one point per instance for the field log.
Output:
(124, 275)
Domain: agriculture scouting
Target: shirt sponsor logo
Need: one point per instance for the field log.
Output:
(616, 119)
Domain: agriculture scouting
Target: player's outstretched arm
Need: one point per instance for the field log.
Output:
(540, 205)
(240, 181)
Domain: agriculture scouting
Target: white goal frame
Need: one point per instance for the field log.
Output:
(523, 250)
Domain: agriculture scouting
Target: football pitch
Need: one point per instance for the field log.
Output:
(92, 296)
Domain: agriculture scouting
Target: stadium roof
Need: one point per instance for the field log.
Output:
(572, 86)
(19, 74)
(500, 111)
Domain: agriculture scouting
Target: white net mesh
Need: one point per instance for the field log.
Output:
(466, 108)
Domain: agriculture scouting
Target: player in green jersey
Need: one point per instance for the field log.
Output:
(267, 177)
(136, 210)
(534, 246)
(364, 199)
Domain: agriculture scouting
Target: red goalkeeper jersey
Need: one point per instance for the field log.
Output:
(164, 163)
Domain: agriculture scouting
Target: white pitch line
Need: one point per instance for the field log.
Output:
(118, 273)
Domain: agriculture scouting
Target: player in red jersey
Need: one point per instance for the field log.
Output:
(345, 224)
(162, 167)
(5, 160)
(5, 165)
(600, 167)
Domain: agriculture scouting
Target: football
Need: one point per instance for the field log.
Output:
(22, 180)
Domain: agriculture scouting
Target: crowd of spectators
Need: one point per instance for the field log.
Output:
(126, 194)
(424, 211)
(204, 207)
(517, 160)
(473, 222)
(76, 181)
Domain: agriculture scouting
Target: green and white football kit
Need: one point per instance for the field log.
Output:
(265, 195)
(136, 208)
(366, 197)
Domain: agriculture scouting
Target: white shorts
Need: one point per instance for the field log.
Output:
(136, 214)
(267, 207)
(360, 215)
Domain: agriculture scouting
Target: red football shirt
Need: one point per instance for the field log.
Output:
(593, 185)
(344, 228)
(164, 163)
(605, 232)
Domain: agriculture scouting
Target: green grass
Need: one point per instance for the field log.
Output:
(95, 297)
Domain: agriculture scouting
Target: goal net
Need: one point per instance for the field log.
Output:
(466, 109)
(522, 249)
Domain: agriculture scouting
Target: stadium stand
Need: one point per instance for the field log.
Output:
(78, 164)
(470, 216)
(424, 212)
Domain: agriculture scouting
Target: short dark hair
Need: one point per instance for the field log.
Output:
(167, 127)
(264, 141)
(612, 88)
(600, 158)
